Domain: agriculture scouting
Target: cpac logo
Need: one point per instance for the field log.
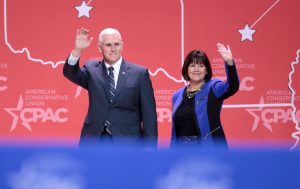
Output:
(3, 79)
(34, 115)
(246, 83)
(163, 114)
(269, 116)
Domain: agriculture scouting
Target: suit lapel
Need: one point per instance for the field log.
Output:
(103, 77)
(177, 101)
(123, 74)
(201, 95)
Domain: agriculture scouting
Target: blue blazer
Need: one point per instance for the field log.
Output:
(133, 111)
(208, 105)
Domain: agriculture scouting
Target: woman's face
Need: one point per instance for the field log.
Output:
(197, 72)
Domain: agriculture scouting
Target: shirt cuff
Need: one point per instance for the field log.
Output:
(72, 60)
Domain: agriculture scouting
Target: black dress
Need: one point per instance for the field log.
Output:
(185, 119)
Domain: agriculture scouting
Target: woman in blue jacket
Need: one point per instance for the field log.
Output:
(197, 106)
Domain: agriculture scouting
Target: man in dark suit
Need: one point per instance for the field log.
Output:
(121, 99)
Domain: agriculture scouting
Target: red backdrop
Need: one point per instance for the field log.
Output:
(39, 104)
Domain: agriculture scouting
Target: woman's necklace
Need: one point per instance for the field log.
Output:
(191, 94)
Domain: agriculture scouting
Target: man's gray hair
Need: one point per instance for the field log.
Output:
(108, 31)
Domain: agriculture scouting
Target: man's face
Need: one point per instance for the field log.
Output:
(111, 48)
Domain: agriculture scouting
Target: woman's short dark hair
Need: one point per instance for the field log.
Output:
(196, 56)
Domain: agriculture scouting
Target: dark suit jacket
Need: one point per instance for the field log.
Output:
(133, 111)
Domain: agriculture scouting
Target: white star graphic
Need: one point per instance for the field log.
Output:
(15, 116)
(257, 118)
(83, 10)
(247, 33)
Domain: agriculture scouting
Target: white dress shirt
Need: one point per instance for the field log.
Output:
(73, 60)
